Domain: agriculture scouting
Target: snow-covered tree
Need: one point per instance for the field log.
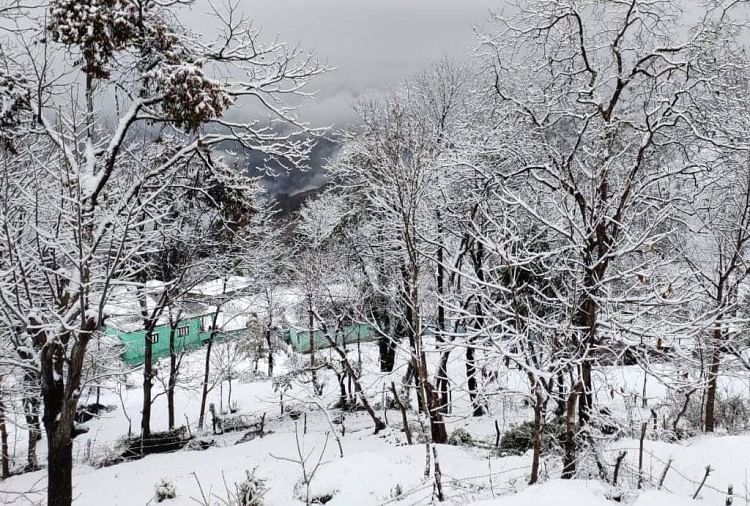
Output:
(606, 105)
(129, 69)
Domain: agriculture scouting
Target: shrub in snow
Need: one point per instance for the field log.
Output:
(157, 442)
(90, 411)
(200, 444)
(233, 423)
(520, 439)
(397, 491)
(249, 492)
(606, 424)
(109, 458)
(731, 412)
(165, 490)
(303, 493)
(395, 436)
(692, 419)
(460, 437)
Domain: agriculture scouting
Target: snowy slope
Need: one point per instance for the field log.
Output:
(374, 469)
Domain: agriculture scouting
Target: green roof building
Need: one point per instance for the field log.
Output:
(190, 333)
(351, 334)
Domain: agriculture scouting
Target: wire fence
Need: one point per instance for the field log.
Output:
(631, 481)
(655, 472)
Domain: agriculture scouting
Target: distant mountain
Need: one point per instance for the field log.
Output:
(281, 180)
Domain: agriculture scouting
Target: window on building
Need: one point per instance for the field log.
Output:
(154, 338)
(183, 331)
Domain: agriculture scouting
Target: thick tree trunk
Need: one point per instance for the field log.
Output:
(32, 461)
(713, 374)
(59, 470)
(150, 319)
(352, 396)
(343, 396)
(172, 383)
(148, 375)
(441, 381)
(440, 280)
(585, 403)
(60, 401)
(31, 408)
(560, 408)
(471, 373)
(471, 377)
(270, 353)
(412, 370)
(586, 321)
(569, 457)
(431, 402)
(437, 424)
(51, 358)
(229, 393)
(428, 398)
(4, 457)
(538, 428)
(387, 353)
(59, 462)
(411, 374)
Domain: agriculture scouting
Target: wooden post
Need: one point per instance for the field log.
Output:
(664, 474)
(618, 463)
(703, 481)
(644, 425)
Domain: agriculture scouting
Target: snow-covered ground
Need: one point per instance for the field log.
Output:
(374, 469)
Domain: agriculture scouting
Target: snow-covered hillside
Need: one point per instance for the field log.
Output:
(374, 469)
(524, 278)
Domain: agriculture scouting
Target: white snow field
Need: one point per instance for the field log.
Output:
(375, 469)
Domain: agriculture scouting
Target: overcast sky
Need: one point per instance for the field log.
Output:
(374, 43)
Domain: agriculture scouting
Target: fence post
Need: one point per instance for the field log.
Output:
(730, 495)
(618, 463)
(703, 481)
(664, 473)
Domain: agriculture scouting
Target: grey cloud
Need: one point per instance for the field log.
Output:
(372, 43)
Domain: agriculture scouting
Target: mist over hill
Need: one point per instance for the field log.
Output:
(291, 188)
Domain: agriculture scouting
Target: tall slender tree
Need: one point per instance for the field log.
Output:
(70, 255)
